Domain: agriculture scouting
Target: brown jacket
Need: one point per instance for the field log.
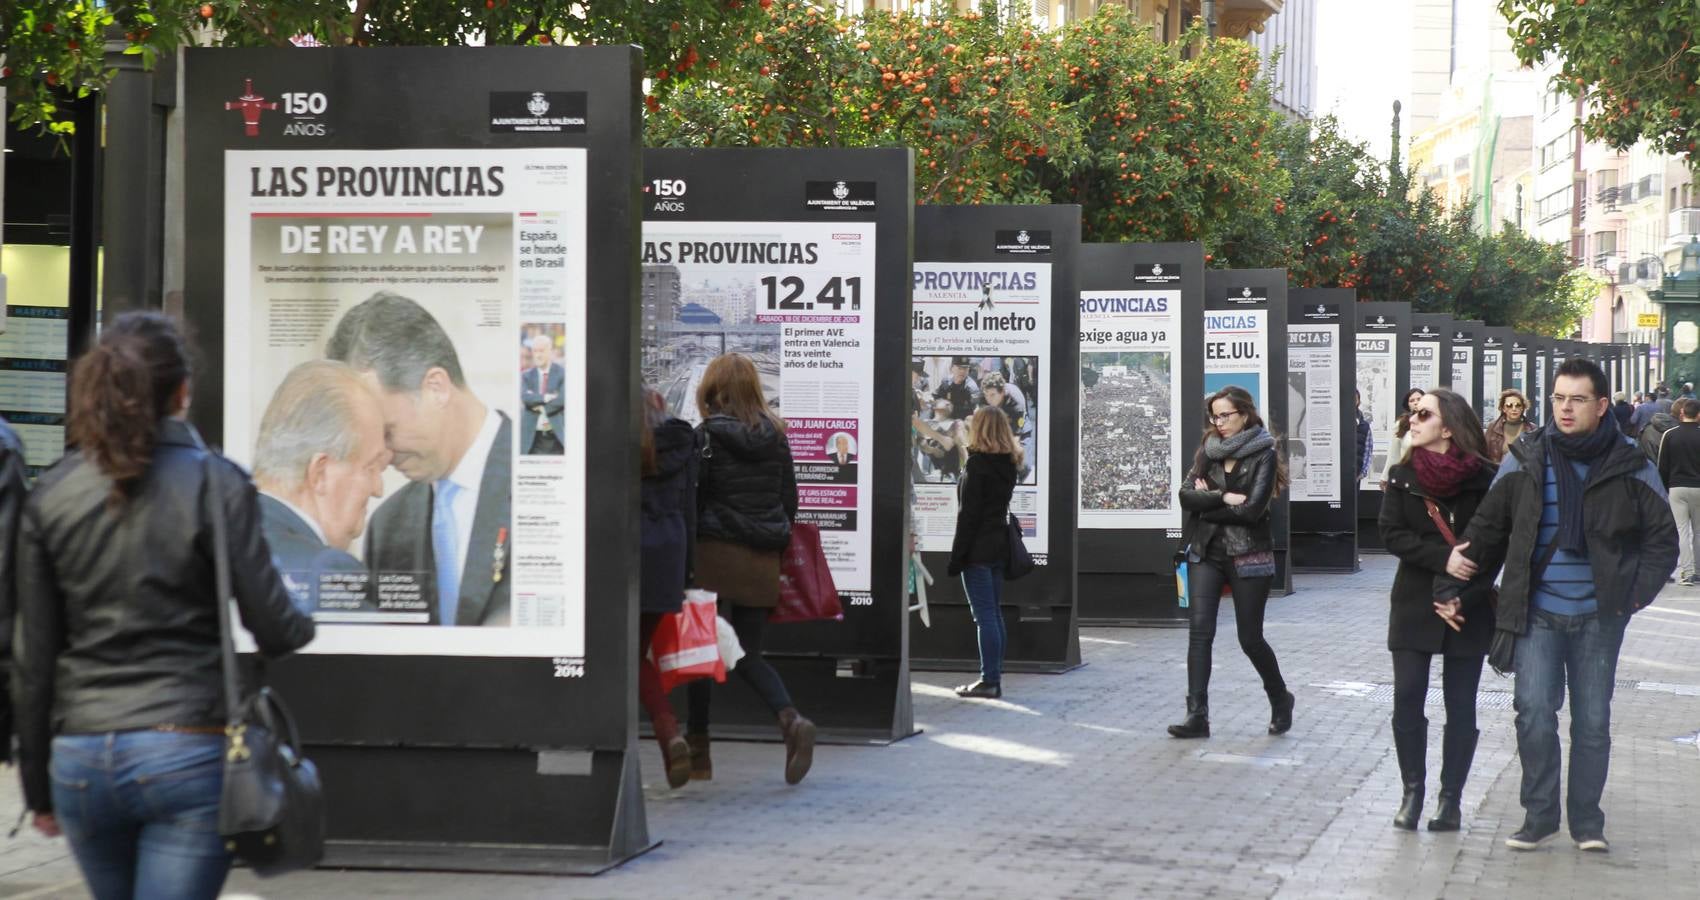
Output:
(1495, 434)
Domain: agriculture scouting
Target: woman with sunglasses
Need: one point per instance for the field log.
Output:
(1235, 474)
(1432, 493)
(1512, 423)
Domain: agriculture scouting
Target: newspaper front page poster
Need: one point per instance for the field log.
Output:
(1130, 403)
(797, 299)
(980, 333)
(451, 283)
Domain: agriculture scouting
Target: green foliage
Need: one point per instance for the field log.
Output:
(55, 48)
(1098, 113)
(1636, 57)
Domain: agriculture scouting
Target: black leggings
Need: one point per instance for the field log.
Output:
(1251, 595)
(749, 622)
(1459, 678)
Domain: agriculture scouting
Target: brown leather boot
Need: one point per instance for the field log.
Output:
(702, 768)
(799, 743)
(675, 753)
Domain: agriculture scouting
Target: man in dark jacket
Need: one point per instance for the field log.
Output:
(1679, 469)
(1654, 433)
(1580, 521)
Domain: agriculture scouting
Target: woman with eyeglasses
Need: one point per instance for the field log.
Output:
(1235, 474)
(1512, 423)
(1432, 494)
(1396, 450)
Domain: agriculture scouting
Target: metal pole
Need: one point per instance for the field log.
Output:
(1210, 18)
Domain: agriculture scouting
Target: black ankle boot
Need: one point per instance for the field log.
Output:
(1197, 724)
(1447, 814)
(1281, 712)
(1411, 746)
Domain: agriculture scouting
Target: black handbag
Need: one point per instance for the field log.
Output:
(1020, 562)
(271, 812)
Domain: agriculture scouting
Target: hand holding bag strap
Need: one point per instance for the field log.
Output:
(1440, 522)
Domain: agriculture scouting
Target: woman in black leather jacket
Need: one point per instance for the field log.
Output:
(746, 500)
(1446, 470)
(1234, 476)
(117, 664)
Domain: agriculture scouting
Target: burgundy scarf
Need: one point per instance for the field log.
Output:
(1443, 474)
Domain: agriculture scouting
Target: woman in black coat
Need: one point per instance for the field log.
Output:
(669, 460)
(1234, 476)
(979, 551)
(746, 501)
(1445, 469)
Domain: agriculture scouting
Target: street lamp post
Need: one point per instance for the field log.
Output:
(1679, 294)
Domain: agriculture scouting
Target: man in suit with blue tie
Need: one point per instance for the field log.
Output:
(542, 415)
(443, 539)
(319, 460)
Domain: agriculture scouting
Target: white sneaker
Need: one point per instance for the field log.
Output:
(1594, 843)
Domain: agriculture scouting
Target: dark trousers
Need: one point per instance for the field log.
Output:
(545, 443)
(1251, 595)
(749, 622)
(1459, 678)
(650, 695)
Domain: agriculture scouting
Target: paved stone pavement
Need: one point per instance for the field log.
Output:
(1070, 788)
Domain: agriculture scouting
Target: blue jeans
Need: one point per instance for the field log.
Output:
(140, 809)
(1580, 650)
(984, 587)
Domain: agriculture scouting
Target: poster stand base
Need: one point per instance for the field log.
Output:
(1129, 599)
(434, 809)
(496, 858)
(1325, 552)
(851, 701)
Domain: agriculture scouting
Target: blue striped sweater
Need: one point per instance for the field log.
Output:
(1566, 587)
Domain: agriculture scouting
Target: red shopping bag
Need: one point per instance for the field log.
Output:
(687, 643)
(806, 591)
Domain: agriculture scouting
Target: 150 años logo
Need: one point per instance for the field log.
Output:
(304, 109)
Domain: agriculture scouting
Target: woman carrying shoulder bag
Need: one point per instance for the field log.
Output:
(1431, 496)
(979, 552)
(1234, 476)
(118, 681)
(746, 500)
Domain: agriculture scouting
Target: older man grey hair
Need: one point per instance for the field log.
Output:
(312, 412)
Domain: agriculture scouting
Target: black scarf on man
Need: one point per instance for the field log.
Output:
(1562, 450)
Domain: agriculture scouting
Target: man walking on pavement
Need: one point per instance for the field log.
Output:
(1580, 521)
(1679, 469)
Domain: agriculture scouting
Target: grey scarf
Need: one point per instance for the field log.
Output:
(1251, 441)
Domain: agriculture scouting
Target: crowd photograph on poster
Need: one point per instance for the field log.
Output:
(1125, 430)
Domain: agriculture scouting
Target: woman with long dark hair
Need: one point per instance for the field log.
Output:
(668, 455)
(1234, 476)
(119, 690)
(1431, 496)
(1401, 426)
(746, 501)
(979, 551)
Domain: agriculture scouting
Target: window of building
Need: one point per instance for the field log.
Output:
(1605, 243)
(1553, 205)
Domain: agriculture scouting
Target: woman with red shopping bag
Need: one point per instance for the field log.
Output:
(746, 499)
(669, 460)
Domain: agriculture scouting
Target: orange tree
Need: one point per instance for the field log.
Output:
(1154, 147)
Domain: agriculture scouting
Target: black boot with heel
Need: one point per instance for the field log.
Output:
(1197, 724)
(1411, 746)
(1458, 750)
